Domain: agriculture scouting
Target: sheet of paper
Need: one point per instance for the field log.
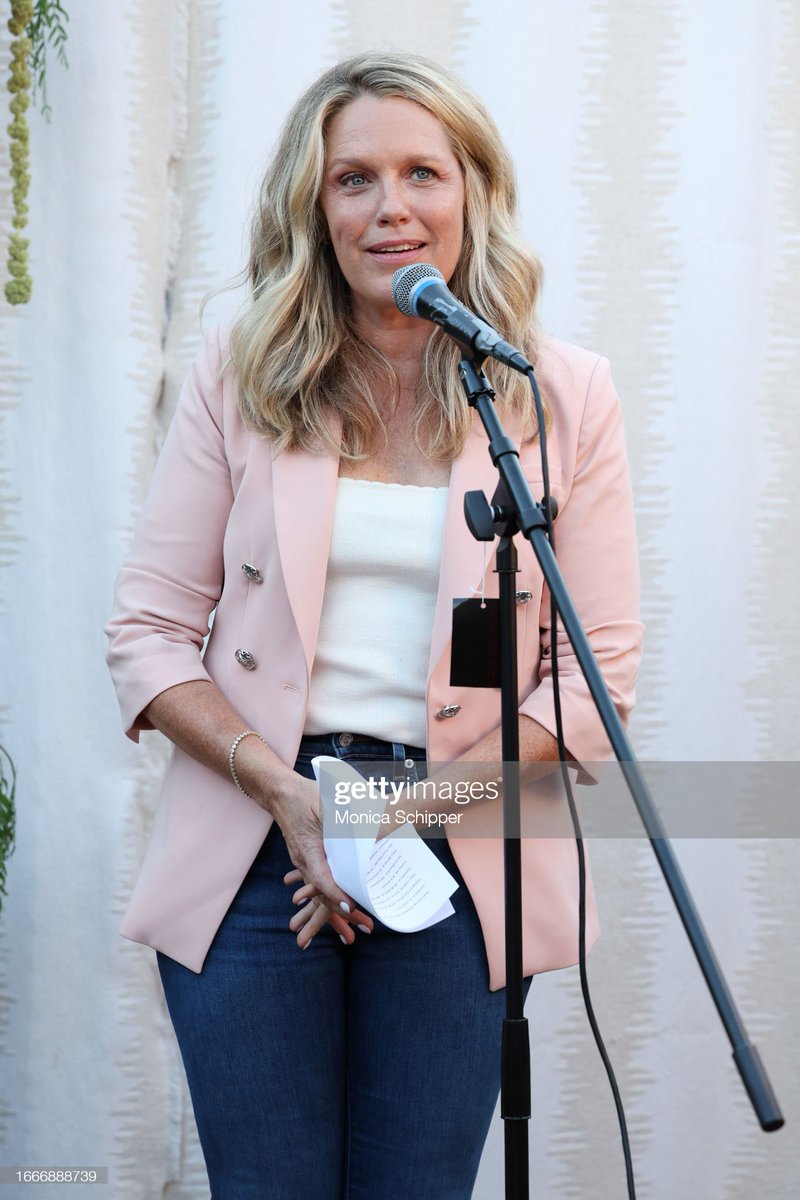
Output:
(399, 879)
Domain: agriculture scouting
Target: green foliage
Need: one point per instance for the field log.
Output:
(35, 26)
(8, 785)
(46, 28)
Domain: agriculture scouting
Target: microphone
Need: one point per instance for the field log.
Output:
(419, 290)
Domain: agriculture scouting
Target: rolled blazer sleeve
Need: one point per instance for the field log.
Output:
(596, 550)
(172, 577)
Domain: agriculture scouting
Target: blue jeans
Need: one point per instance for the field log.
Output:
(363, 1072)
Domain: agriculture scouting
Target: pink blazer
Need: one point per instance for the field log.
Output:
(218, 502)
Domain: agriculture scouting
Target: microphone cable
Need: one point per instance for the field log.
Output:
(573, 812)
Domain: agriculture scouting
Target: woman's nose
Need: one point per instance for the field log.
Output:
(393, 206)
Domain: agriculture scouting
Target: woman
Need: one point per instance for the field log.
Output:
(310, 493)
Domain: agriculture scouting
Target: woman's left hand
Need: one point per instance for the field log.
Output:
(314, 914)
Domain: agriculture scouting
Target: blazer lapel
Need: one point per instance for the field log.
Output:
(304, 491)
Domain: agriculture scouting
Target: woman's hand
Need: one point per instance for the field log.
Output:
(296, 809)
(315, 913)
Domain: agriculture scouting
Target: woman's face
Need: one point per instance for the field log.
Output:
(392, 194)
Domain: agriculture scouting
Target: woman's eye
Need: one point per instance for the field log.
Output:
(354, 179)
(423, 172)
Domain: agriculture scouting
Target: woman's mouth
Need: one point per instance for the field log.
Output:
(392, 252)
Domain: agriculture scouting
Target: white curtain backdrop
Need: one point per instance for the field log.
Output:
(658, 159)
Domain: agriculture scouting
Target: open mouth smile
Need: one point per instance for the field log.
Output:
(395, 251)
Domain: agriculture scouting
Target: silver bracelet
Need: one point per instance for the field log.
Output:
(232, 753)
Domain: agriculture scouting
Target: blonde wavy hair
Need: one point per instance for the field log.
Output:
(296, 351)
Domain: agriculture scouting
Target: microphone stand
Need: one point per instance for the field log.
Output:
(518, 512)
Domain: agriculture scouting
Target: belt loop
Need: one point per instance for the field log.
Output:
(405, 768)
(399, 761)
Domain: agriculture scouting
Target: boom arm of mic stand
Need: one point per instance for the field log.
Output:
(530, 520)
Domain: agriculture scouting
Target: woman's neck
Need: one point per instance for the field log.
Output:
(402, 342)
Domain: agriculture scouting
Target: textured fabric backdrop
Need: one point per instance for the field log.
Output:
(657, 151)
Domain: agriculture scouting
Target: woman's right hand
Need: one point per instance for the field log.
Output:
(297, 812)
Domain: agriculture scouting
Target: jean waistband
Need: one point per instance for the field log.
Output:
(359, 747)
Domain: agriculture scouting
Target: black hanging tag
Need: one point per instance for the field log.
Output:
(475, 648)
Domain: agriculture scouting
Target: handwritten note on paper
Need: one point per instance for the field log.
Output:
(399, 879)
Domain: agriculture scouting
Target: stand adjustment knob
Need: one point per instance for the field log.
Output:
(479, 516)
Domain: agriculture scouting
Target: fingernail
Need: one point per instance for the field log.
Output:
(345, 907)
(308, 943)
(304, 900)
(342, 938)
(364, 928)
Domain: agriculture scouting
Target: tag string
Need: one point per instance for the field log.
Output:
(482, 588)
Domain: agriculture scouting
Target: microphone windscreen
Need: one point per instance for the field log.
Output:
(405, 279)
